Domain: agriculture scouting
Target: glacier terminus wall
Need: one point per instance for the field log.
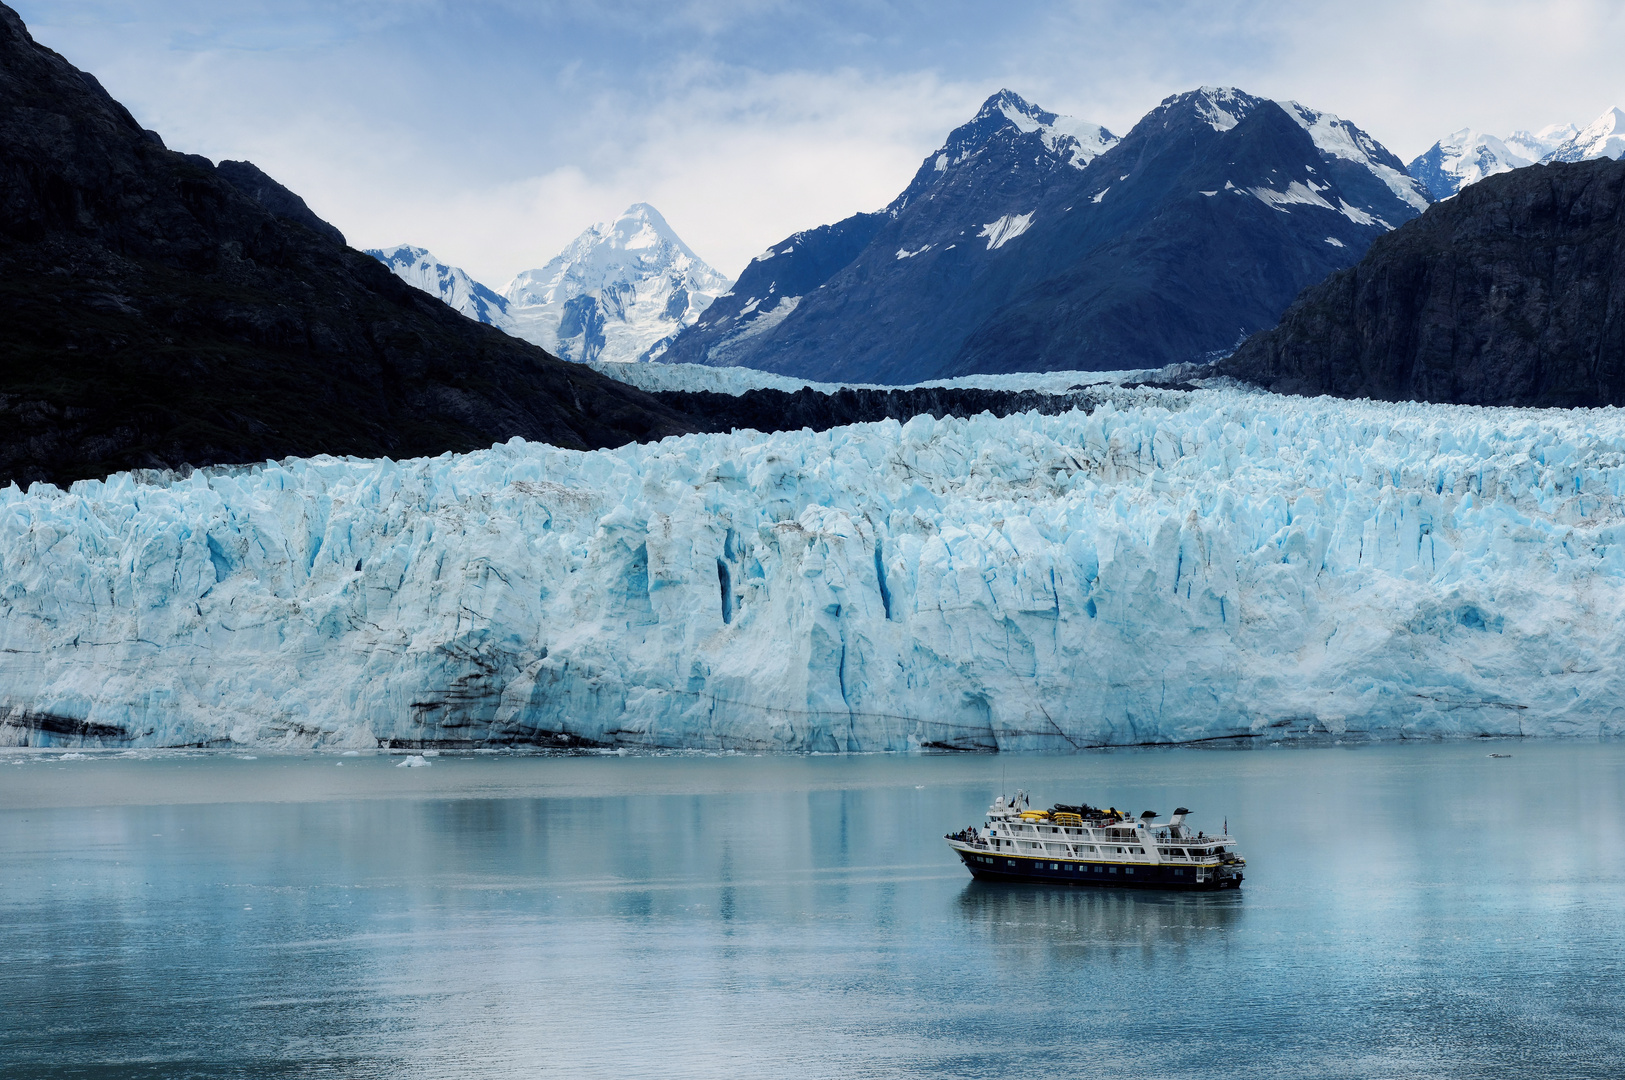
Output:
(1171, 567)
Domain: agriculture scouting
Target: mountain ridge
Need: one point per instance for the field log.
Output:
(951, 277)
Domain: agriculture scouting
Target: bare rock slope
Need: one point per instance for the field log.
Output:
(1512, 293)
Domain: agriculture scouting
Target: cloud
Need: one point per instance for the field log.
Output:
(493, 131)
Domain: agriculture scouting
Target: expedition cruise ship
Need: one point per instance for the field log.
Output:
(1084, 845)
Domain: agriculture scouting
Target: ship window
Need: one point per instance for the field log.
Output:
(1068, 866)
(1114, 869)
(1128, 869)
(1054, 866)
(1011, 862)
(1178, 872)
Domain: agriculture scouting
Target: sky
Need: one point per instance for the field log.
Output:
(493, 131)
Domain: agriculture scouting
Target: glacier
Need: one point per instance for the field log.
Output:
(1166, 568)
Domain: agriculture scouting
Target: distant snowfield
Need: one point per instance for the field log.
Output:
(1168, 568)
(737, 380)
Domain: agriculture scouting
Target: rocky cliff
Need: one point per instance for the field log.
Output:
(158, 310)
(1512, 293)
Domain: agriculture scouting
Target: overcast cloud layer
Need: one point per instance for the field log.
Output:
(493, 131)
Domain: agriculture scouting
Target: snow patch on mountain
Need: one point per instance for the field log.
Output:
(1006, 229)
(417, 267)
(777, 309)
(1296, 193)
(620, 291)
(1167, 568)
(737, 380)
(1223, 106)
(1336, 137)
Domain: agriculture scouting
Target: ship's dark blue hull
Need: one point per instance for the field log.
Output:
(989, 867)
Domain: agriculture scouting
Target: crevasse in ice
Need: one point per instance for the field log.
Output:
(1167, 568)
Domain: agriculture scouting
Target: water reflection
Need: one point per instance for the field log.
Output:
(1061, 919)
(804, 918)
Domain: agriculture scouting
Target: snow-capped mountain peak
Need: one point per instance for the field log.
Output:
(618, 291)
(1536, 145)
(1603, 137)
(1007, 115)
(1339, 138)
(1221, 106)
(418, 267)
(1001, 252)
(1467, 156)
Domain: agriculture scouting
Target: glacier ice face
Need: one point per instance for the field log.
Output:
(1168, 568)
(619, 292)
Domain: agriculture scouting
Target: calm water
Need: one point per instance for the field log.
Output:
(1422, 911)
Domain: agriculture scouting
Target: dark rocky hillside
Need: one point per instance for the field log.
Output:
(157, 310)
(778, 410)
(1512, 293)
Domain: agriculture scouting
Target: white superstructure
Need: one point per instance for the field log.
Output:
(1086, 845)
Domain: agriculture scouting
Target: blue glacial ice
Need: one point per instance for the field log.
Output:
(1167, 568)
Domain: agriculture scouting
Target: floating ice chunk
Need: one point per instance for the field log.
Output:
(415, 761)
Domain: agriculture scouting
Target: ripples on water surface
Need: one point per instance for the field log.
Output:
(1422, 911)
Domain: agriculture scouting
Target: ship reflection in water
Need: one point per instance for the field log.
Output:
(1061, 920)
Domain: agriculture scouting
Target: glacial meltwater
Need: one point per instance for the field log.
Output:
(1409, 911)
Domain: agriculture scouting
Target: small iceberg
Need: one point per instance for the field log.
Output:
(416, 761)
